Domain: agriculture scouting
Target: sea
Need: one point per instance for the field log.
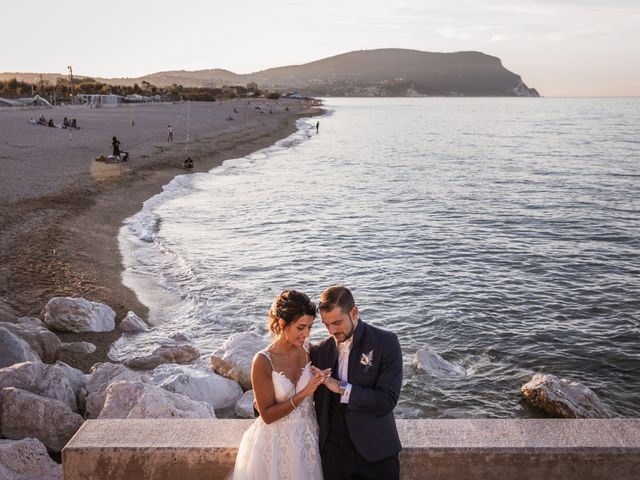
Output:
(502, 234)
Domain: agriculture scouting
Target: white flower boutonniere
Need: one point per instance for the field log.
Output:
(366, 359)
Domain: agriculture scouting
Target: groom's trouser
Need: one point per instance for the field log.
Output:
(340, 463)
(341, 460)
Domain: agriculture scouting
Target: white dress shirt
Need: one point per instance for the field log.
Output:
(344, 349)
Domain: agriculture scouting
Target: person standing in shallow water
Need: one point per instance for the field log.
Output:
(354, 407)
(317, 127)
(283, 441)
(169, 134)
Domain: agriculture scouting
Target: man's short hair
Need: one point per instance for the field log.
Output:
(336, 296)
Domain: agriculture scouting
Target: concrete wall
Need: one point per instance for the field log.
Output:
(433, 449)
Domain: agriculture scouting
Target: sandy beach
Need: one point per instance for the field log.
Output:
(60, 210)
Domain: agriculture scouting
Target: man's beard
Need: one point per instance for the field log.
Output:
(347, 336)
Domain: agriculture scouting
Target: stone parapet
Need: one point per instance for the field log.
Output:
(433, 449)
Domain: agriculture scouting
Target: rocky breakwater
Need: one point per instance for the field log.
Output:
(41, 398)
(43, 401)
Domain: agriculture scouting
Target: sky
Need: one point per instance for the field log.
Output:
(560, 47)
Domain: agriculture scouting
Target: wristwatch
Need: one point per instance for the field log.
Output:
(342, 386)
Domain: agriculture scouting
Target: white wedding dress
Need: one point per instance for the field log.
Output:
(286, 449)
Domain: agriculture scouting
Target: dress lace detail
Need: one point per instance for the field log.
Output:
(287, 448)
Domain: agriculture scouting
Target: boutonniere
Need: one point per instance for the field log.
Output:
(366, 360)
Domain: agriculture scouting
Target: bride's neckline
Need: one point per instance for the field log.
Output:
(295, 384)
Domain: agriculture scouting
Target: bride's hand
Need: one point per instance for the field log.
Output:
(318, 379)
(329, 382)
(326, 373)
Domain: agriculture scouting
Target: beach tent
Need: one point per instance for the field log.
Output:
(36, 101)
(5, 102)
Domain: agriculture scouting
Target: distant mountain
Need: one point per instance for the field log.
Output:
(398, 72)
(383, 72)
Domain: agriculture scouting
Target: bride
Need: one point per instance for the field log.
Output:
(283, 442)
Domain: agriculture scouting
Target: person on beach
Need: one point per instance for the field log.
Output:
(283, 441)
(116, 147)
(358, 436)
(317, 127)
(169, 134)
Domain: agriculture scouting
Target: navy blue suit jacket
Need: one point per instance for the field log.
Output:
(374, 393)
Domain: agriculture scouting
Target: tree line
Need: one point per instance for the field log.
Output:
(63, 90)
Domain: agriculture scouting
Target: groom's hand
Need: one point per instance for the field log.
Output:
(316, 371)
(325, 375)
(328, 381)
(317, 379)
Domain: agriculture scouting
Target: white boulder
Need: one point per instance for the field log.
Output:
(103, 375)
(435, 365)
(58, 381)
(233, 359)
(218, 391)
(142, 400)
(244, 407)
(563, 398)
(36, 322)
(27, 459)
(133, 323)
(181, 353)
(84, 348)
(66, 314)
(45, 343)
(78, 381)
(25, 414)
(14, 350)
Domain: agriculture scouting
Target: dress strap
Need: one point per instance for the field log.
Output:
(268, 355)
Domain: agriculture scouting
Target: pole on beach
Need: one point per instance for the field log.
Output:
(186, 148)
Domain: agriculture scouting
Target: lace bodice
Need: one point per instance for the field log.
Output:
(285, 389)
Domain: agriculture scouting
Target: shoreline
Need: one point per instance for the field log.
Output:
(65, 242)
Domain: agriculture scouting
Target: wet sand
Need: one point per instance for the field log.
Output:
(60, 210)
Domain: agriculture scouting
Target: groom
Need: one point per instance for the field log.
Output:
(358, 436)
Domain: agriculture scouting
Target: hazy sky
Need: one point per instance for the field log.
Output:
(560, 47)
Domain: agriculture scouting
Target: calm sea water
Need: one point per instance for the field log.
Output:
(503, 234)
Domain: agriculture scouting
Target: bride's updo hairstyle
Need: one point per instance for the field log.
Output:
(289, 306)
